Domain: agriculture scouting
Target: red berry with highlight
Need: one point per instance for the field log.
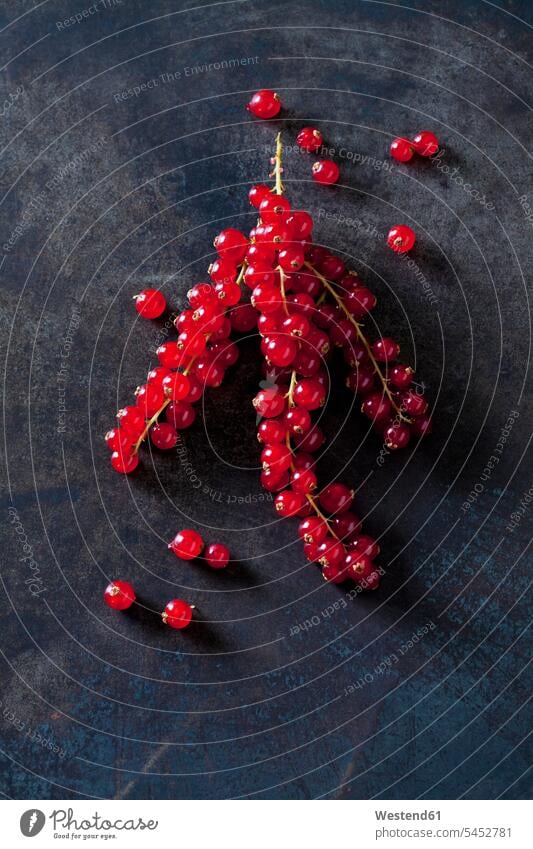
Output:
(309, 139)
(187, 544)
(265, 104)
(426, 143)
(401, 238)
(177, 614)
(150, 303)
(401, 150)
(119, 595)
(217, 555)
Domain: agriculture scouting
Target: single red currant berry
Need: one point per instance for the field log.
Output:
(280, 350)
(124, 463)
(269, 403)
(243, 319)
(325, 172)
(289, 503)
(224, 354)
(157, 375)
(118, 439)
(397, 435)
(150, 399)
(308, 393)
(401, 150)
(311, 552)
(304, 481)
(401, 238)
(176, 386)
(336, 498)
(232, 244)
(270, 431)
(331, 552)
(401, 376)
(291, 258)
(196, 390)
(426, 143)
(343, 333)
(119, 595)
(334, 574)
(296, 325)
(228, 293)
(297, 421)
(265, 104)
(309, 139)
(361, 379)
(131, 419)
(301, 303)
(346, 526)
(169, 355)
(185, 320)
(276, 457)
(385, 349)
(217, 555)
(301, 224)
(359, 301)
(208, 372)
(266, 298)
(311, 442)
(303, 461)
(273, 481)
(222, 270)
(150, 303)
(376, 407)
(421, 425)
(332, 267)
(257, 193)
(180, 414)
(274, 208)
(187, 544)
(177, 614)
(164, 436)
(198, 295)
(313, 529)
(365, 545)
(414, 404)
(358, 565)
(261, 253)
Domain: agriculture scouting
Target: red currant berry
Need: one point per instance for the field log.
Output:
(385, 349)
(296, 325)
(358, 565)
(346, 526)
(291, 258)
(359, 301)
(222, 270)
(169, 355)
(266, 298)
(280, 350)
(198, 295)
(274, 208)
(401, 150)
(421, 425)
(426, 143)
(311, 442)
(177, 614)
(289, 503)
(258, 193)
(414, 404)
(361, 379)
(228, 293)
(217, 555)
(150, 303)
(265, 104)
(365, 545)
(118, 439)
(308, 393)
(333, 574)
(124, 463)
(269, 403)
(273, 481)
(150, 399)
(343, 333)
(180, 415)
(336, 498)
(176, 386)
(270, 431)
(297, 421)
(243, 319)
(303, 461)
(157, 375)
(119, 595)
(196, 390)
(311, 552)
(313, 529)
(208, 372)
(371, 582)
(376, 407)
(131, 419)
(332, 267)
(331, 552)
(301, 303)
(164, 436)
(309, 139)
(232, 244)
(276, 457)
(397, 435)
(301, 224)
(325, 172)
(304, 481)
(224, 354)
(401, 376)
(401, 238)
(187, 544)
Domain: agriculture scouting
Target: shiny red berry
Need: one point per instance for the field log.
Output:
(401, 238)
(269, 403)
(308, 393)
(273, 481)
(131, 419)
(385, 349)
(401, 150)
(312, 529)
(365, 545)
(187, 544)
(124, 462)
(361, 379)
(180, 414)
(265, 104)
(401, 376)
(325, 172)
(336, 498)
(376, 407)
(291, 258)
(359, 301)
(397, 435)
(331, 552)
(276, 457)
(177, 614)
(164, 436)
(118, 439)
(119, 595)
(425, 143)
(150, 303)
(414, 404)
(257, 193)
(217, 555)
(289, 502)
(169, 355)
(332, 267)
(304, 481)
(358, 565)
(309, 139)
(150, 399)
(176, 386)
(312, 441)
(243, 318)
(231, 243)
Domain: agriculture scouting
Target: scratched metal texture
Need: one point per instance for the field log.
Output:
(106, 191)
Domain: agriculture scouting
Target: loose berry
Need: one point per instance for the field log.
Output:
(297, 421)
(265, 104)
(311, 442)
(150, 303)
(187, 544)
(346, 526)
(119, 595)
(177, 614)
(401, 150)
(217, 555)
(301, 225)
(401, 238)
(426, 143)
(291, 258)
(309, 139)
(274, 208)
(325, 172)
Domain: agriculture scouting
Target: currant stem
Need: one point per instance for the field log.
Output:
(279, 188)
(361, 336)
(148, 425)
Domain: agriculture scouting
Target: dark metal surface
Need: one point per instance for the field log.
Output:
(417, 690)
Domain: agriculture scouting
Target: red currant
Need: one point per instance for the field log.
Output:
(177, 614)
(187, 544)
(309, 139)
(157, 375)
(308, 393)
(273, 481)
(276, 457)
(358, 565)
(365, 545)
(176, 386)
(401, 150)
(325, 172)
(222, 270)
(297, 421)
(336, 498)
(269, 403)
(331, 552)
(359, 301)
(311, 442)
(150, 303)
(164, 436)
(346, 526)
(291, 258)
(217, 555)
(180, 414)
(301, 224)
(361, 379)
(243, 319)
(118, 439)
(280, 350)
(270, 430)
(401, 238)
(198, 295)
(333, 574)
(332, 267)
(131, 419)
(401, 376)
(150, 399)
(119, 595)
(265, 104)
(313, 529)
(376, 406)
(289, 503)
(397, 435)
(232, 244)
(274, 208)
(385, 349)
(304, 481)
(196, 390)
(124, 463)
(421, 425)
(426, 143)
(257, 193)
